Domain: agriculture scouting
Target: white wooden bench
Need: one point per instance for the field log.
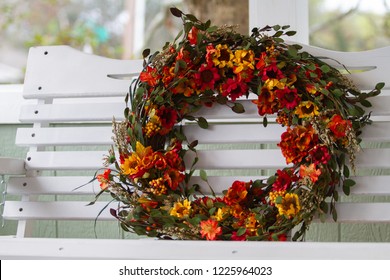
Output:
(77, 96)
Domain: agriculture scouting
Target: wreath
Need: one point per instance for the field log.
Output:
(321, 109)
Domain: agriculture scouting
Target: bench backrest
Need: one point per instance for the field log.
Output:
(77, 95)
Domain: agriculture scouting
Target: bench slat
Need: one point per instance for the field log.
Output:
(81, 74)
(69, 112)
(211, 159)
(149, 248)
(78, 210)
(66, 185)
(56, 210)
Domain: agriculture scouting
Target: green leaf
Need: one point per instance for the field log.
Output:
(271, 180)
(334, 214)
(324, 207)
(325, 68)
(257, 183)
(366, 103)
(202, 122)
(265, 121)
(241, 231)
(238, 108)
(291, 33)
(145, 53)
(346, 189)
(349, 182)
(346, 171)
(176, 12)
(278, 200)
(278, 34)
(379, 86)
(203, 175)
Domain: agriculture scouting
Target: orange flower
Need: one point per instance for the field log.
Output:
(210, 229)
(339, 126)
(310, 171)
(236, 193)
(296, 143)
(137, 164)
(150, 76)
(104, 179)
(266, 102)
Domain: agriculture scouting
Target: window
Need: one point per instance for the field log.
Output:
(353, 25)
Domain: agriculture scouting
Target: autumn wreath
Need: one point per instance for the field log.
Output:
(320, 108)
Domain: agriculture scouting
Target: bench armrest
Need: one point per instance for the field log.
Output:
(12, 166)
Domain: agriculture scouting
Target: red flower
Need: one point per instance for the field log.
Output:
(235, 237)
(272, 72)
(173, 178)
(236, 193)
(206, 77)
(193, 35)
(266, 102)
(288, 98)
(168, 117)
(339, 126)
(150, 76)
(234, 88)
(283, 180)
(210, 229)
(320, 154)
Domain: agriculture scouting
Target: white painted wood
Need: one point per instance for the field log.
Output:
(61, 71)
(294, 13)
(68, 185)
(57, 210)
(44, 248)
(215, 134)
(48, 185)
(79, 210)
(208, 159)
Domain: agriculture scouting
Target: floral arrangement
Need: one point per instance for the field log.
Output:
(320, 108)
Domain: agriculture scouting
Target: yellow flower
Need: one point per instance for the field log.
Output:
(272, 83)
(289, 206)
(223, 56)
(306, 109)
(221, 212)
(181, 209)
(243, 59)
(136, 165)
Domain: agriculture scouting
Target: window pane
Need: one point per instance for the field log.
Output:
(349, 25)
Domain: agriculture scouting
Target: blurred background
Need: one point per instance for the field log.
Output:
(123, 28)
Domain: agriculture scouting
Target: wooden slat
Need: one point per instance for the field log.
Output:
(48, 185)
(69, 185)
(376, 59)
(57, 210)
(78, 210)
(221, 159)
(72, 112)
(152, 249)
(61, 71)
(215, 134)
(64, 136)
(213, 159)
